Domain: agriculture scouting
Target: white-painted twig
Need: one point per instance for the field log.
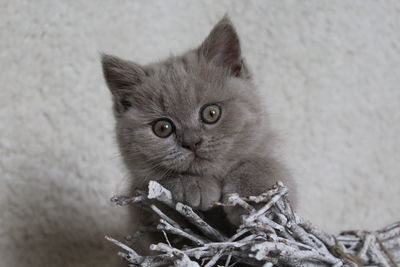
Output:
(271, 234)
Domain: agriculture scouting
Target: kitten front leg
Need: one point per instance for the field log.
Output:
(196, 191)
(253, 177)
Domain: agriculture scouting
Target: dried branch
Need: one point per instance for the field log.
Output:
(270, 235)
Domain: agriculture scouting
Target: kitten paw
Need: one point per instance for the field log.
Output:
(197, 192)
(201, 192)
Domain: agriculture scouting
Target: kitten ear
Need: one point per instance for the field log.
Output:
(121, 77)
(222, 47)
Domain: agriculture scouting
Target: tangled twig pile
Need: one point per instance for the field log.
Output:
(272, 235)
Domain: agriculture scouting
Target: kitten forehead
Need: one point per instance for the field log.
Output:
(180, 85)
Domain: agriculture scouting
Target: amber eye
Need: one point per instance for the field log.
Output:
(163, 128)
(210, 113)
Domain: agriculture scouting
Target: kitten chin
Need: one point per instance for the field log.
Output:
(202, 103)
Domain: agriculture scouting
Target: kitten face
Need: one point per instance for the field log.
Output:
(188, 114)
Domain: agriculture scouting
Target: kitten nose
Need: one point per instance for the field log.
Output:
(192, 145)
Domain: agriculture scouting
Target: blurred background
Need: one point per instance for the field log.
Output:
(329, 71)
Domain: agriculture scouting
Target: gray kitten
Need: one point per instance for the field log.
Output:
(195, 123)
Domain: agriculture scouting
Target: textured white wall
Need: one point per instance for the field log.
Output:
(330, 71)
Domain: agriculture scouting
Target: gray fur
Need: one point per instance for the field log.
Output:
(236, 153)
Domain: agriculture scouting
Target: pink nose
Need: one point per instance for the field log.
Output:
(193, 146)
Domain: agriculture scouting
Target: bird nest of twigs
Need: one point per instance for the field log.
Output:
(271, 234)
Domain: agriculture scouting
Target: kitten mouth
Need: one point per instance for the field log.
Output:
(197, 157)
(197, 163)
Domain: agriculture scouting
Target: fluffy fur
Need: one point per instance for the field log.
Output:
(236, 153)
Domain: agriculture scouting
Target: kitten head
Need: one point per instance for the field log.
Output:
(194, 113)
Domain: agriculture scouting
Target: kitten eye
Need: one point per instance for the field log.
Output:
(163, 128)
(210, 113)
